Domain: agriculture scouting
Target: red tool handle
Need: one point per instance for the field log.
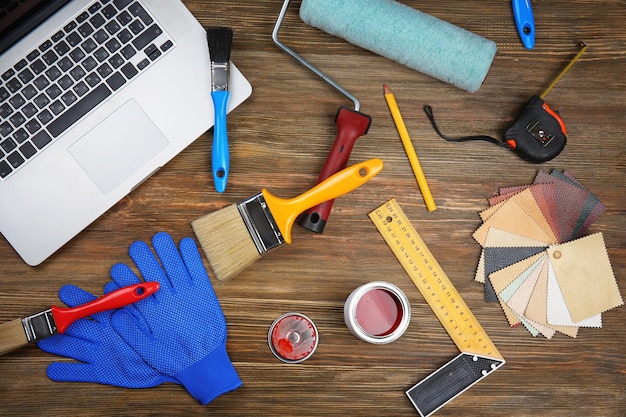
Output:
(63, 317)
(351, 125)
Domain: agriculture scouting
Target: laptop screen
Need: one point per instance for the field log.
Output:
(18, 17)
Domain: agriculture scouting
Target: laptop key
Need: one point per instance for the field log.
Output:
(5, 129)
(13, 85)
(37, 66)
(5, 110)
(57, 107)
(4, 94)
(78, 110)
(32, 126)
(29, 91)
(128, 51)
(8, 74)
(62, 48)
(53, 91)
(66, 82)
(17, 101)
(20, 135)
(17, 119)
(29, 110)
(115, 81)
(41, 82)
(89, 45)
(57, 36)
(147, 36)
(97, 20)
(74, 39)
(5, 169)
(69, 98)
(20, 64)
(15, 159)
(120, 4)
(8, 145)
(53, 73)
(89, 64)
(81, 88)
(109, 11)
(137, 10)
(82, 17)
(45, 46)
(45, 117)
(26, 76)
(65, 64)
(124, 18)
(50, 57)
(85, 29)
(42, 101)
(41, 139)
(129, 70)
(28, 150)
(92, 79)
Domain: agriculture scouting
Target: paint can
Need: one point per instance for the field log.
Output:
(292, 337)
(377, 312)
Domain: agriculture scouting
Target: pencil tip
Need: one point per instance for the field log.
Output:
(386, 89)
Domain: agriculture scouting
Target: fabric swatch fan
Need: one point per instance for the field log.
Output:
(537, 261)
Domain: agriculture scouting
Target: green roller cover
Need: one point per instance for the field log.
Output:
(415, 39)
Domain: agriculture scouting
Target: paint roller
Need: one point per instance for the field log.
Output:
(408, 36)
(351, 125)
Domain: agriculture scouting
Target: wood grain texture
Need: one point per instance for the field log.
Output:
(279, 140)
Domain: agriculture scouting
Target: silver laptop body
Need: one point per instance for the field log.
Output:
(56, 180)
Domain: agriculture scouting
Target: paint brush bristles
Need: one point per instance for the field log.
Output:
(12, 336)
(228, 253)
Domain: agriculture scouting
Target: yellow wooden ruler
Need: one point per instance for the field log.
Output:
(479, 356)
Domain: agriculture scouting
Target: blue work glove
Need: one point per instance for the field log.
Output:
(181, 329)
(103, 355)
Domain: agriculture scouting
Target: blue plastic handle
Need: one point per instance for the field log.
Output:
(220, 160)
(525, 22)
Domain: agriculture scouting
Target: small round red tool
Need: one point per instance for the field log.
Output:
(292, 337)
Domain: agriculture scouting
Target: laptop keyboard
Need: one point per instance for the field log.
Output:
(55, 85)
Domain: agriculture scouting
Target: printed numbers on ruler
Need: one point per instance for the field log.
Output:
(432, 282)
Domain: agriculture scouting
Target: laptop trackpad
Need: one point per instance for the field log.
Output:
(118, 146)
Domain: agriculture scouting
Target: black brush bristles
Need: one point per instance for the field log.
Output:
(220, 40)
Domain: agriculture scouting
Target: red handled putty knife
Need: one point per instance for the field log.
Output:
(19, 332)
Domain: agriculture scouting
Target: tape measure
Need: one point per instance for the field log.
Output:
(479, 356)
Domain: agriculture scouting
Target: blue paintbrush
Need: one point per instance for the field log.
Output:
(220, 39)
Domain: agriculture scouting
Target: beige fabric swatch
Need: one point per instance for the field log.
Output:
(537, 308)
(520, 299)
(513, 218)
(504, 277)
(585, 276)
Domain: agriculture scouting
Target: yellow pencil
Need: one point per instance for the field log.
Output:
(410, 151)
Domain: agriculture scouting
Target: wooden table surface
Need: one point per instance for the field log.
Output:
(280, 138)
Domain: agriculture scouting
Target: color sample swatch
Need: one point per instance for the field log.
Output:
(536, 261)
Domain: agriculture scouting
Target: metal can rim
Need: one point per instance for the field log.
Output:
(271, 330)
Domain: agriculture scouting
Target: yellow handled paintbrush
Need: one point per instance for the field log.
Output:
(236, 236)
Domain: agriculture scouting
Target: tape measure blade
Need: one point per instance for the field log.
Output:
(432, 282)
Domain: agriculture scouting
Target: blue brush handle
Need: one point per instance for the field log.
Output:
(525, 22)
(221, 155)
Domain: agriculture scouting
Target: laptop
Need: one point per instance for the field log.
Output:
(95, 96)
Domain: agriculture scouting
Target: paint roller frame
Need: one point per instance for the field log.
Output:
(351, 125)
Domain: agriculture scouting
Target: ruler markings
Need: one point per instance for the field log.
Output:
(432, 282)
